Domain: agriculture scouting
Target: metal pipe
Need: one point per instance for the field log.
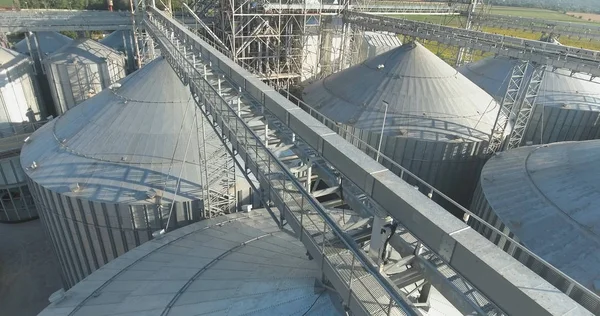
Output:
(382, 128)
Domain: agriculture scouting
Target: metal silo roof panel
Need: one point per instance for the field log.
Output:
(559, 87)
(421, 89)
(123, 142)
(49, 42)
(547, 196)
(269, 275)
(85, 51)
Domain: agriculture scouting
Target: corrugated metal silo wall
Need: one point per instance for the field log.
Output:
(452, 168)
(18, 92)
(73, 83)
(481, 208)
(16, 201)
(562, 124)
(87, 235)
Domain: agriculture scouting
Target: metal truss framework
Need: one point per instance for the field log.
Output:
(527, 105)
(263, 124)
(270, 36)
(63, 20)
(575, 59)
(508, 106)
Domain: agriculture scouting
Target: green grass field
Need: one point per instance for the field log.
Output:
(537, 13)
(6, 3)
(448, 53)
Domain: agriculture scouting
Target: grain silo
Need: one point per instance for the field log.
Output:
(239, 264)
(567, 106)
(48, 43)
(80, 70)
(121, 166)
(18, 93)
(546, 198)
(121, 41)
(437, 122)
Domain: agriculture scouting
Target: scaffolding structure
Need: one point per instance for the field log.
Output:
(284, 41)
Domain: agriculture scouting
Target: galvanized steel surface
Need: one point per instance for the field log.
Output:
(568, 107)
(437, 122)
(49, 42)
(105, 172)
(428, 99)
(240, 264)
(18, 92)
(80, 70)
(375, 43)
(547, 197)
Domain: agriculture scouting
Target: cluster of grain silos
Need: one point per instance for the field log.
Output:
(545, 198)
(567, 106)
(80, 70)
(437, 122)
(119, 167)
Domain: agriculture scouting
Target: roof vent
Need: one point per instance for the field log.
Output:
(34, 165)
(159, 233)
(76, 187)
(27, 140)
(114, 86)
(57, 296)
(124, 158)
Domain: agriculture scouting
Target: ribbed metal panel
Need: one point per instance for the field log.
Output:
(436, 121)
(567, 106)
(544, 197)
(81, 70)
(18, 92)
(89, 234)
(450, 167)
(107, 173)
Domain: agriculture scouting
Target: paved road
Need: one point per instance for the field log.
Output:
(28, 269)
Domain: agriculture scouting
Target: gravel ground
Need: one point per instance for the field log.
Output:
(28, 269)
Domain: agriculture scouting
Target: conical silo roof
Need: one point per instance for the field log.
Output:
(115, 40)
(124, 142)
(9, 58)
(84, 51)
(559, 88)
(49, 43)
(428, 99)
(547, 196)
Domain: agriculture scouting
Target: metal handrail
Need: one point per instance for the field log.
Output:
(432, 190)
(383, 158)
(347, 241)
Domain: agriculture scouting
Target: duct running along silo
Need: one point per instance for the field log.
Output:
(567, 106)
(546, 197)
(437, 122)
(80, 70)
(121, 166)
(239, 264)
(18, 93)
